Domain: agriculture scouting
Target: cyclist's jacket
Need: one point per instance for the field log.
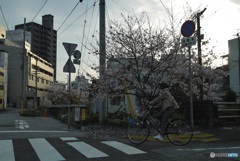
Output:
(164, 100)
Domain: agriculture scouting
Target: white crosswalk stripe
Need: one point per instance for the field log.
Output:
(46, 149)
(6, 150)
(87, 150)
(123, 147)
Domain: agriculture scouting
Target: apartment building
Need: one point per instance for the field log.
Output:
(43, 39)
(3, 71)
(31, 85)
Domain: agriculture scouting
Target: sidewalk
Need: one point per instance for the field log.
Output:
(13, 125)
(225, 134)
(8, 118)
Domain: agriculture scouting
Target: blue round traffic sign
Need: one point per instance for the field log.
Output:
(188, 28)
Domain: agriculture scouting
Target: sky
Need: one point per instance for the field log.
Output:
(219, 23)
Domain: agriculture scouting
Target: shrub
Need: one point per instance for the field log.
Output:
(230, 96)
(31, 112)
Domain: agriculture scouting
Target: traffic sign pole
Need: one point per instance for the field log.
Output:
(190, 86)
(69, 92)
(70, 69)
(187, 30)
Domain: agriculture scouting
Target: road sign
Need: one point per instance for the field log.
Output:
(188, 28)
(69, 67)
(77, 54)
(188, 41)
(75, 61)
(69, 47)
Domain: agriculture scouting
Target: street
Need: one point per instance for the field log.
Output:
(47, 139)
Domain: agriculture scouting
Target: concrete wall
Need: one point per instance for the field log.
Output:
(234, 72)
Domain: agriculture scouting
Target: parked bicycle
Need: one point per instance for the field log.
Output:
(178, 130)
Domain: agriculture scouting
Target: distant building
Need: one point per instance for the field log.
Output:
(43, 39)
(2, 34)
(80, 83)
(3, 75)
(17, 37)
(38, 75)
(234, 65)
(60, 85)
(81, 86)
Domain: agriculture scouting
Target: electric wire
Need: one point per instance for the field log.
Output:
(4, 18)
(121, 6)
(68, 15)
(218, 10)
(39, 11)
(87, 34)
(74, 21)
(16, 50)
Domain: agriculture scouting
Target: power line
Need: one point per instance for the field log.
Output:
(39, 10)
(4, 18)
(69, 15)
(76, 20)
(218, 10)
(121, 6)
(86, 37)
(85, 21)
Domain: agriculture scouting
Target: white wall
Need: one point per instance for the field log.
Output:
(234, 65)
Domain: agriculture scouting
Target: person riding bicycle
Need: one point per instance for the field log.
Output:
(168, 103)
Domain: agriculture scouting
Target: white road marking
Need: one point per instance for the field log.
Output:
(68, 138)
(21, 124)
(6, 150)
(87, 150)
(30, 131)
(123, 147)
(44, 150)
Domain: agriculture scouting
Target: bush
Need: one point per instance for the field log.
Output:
(230, 96)
(92, 119)
(116, 122)
(31, 112)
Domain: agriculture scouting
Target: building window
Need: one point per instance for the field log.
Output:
(1, 74)
(1, 86)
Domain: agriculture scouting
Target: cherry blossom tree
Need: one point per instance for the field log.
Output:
(144, 56)
(60, 96)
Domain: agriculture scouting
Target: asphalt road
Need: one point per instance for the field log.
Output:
(48, 139)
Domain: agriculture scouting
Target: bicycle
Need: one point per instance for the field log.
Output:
(178, 131)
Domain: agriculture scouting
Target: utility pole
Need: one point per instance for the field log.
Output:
(102, 56)
(199, 36)
(238, 39)
(23, 67)
(36, 73)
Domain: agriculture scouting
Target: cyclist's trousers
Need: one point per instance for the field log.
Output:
(163, 116)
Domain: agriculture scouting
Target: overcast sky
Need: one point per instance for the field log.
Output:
(220, 22)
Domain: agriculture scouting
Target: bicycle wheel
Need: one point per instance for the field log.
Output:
(179, 132)
(137, 131)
